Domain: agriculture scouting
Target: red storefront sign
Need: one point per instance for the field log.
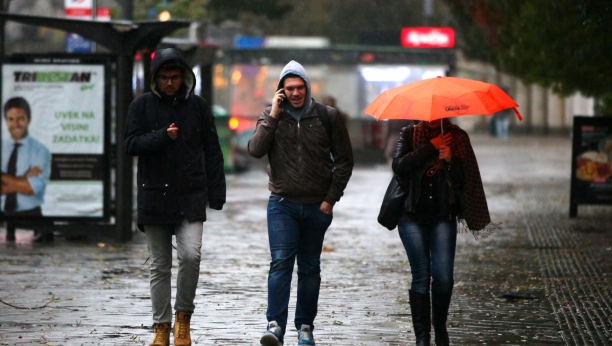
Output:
(78, 12)
(428, 37)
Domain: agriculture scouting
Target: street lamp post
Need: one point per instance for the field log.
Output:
(128, 9)
(4, 7)
(428, 12)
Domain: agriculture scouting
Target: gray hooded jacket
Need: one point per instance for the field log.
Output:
(294, 67)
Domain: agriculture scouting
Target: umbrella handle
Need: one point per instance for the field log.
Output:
(442, 129)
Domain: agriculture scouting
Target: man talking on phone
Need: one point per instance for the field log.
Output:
(311, 161)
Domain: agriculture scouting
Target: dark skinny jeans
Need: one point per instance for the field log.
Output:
(431, 252)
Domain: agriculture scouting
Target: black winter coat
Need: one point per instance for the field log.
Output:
(176, 178)
(409, 165)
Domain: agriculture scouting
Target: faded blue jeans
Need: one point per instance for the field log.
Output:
(295, 230)
(431, 253)
(188, 245)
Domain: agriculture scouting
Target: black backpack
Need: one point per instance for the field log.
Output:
(326, 121)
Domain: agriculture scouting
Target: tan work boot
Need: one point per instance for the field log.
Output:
(182, 337)
(162, 334)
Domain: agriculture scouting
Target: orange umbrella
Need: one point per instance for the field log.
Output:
(441, 97)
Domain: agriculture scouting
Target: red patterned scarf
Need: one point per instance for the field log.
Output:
(474, 215)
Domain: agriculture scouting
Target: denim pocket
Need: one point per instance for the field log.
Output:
(327, 215)
(275, 199)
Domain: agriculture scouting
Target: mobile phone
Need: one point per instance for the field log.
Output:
(283, 99)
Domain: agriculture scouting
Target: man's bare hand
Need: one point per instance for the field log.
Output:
(11, 184)
(172, 131)
(33, 172)
(278, 98)
(437, 141)
(326, 208)
(445, 153)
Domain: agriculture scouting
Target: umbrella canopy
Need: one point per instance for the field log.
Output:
(441, 97)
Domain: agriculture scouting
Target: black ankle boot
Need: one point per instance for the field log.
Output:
(10, 232)
(439, 306)
(44, 237)
(421, 317)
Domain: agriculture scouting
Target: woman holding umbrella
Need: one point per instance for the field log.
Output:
(435, 164)
(443, 180)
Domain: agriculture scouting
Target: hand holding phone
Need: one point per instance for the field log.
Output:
(279, 98)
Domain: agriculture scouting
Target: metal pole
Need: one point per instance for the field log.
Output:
(94, 13)
(146, 66)
(428, 11)
(442, 129)
(125, 165)
(94, 9)
(206, 77)
(128, 9)
(5, 8)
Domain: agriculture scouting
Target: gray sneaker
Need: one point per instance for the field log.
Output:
(273, 336)
(305, 335)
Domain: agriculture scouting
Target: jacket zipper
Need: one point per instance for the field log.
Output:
(299, 148)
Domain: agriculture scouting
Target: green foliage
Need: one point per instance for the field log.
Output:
(179, 9)
(231, 9)
(216, 10)
(563, 44)
(342, 20)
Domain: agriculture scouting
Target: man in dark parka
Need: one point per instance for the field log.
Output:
(180, 171)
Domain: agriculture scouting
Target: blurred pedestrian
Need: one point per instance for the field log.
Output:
(330, 101)
(501, 120)
(180, 170)
(298, 136)
(443, 180)
(391, 134)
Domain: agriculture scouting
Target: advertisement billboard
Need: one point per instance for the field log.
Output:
(591, 180)
(54, 139)
(428, 37)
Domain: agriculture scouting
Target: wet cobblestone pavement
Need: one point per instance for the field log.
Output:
(97, 294)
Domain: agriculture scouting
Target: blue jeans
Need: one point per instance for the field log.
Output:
(502, 125)
(431, 253)
(295, 229)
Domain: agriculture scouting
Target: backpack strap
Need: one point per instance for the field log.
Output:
(325, 120)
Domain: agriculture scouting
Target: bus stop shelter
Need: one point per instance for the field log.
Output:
(124, 39)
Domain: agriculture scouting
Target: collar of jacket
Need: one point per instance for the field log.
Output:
(311, 112)
(180, 96)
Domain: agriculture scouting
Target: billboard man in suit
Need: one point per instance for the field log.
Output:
(26, 168)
